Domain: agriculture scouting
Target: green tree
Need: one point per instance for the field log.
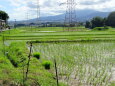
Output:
(105, 21)
(4, 15)
(97, 22)
(88, 24)
(111, 19)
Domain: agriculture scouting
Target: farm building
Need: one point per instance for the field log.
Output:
(2, 23)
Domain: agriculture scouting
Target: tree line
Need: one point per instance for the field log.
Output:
(4, 16)
(101, 22)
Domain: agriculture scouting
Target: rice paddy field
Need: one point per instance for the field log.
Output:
(78, 57)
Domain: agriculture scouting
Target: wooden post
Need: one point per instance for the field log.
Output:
(3, 45)
(23, 71)
(29, 57)
(56, 71)
(23, 75)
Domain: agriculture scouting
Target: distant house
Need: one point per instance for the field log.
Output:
(2, 23)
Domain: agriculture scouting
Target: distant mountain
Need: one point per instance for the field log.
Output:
(92, 15)
(81, 16)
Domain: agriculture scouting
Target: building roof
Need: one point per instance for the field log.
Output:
(2, 20)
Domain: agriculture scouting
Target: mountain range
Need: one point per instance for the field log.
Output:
(81, 16)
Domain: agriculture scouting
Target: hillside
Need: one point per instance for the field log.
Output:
(82, 16)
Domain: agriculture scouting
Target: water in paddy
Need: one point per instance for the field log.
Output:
(81, 63)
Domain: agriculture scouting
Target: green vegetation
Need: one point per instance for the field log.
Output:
(97, 22)
(47, 64)
(4, 15)
(13, 68)
(101, 28)
(86, 62)
(37, 55)
(111, 19)
(17, 52)
(83, 56)
(101, 22)
(57, 34)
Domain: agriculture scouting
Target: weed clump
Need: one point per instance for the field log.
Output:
(36, 55)
(47, 64)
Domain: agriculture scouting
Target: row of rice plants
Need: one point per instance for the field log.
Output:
(81, 63)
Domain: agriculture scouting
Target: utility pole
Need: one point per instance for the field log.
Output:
(15, 24)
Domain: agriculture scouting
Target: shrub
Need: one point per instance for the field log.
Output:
(106, 28)
(101, 28)
(47, 64)
(37, 55)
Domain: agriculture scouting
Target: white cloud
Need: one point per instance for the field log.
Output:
(92, 2)
(51, 7)
(1, 6)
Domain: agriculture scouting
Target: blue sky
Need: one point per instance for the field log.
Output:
(17, 9)
(4, 5)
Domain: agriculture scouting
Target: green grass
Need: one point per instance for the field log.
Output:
(8, 73)
(17, 53)
(11, 67)
(27, 34)
(84, 57)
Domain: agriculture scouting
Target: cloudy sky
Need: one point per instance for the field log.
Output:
(18, 9)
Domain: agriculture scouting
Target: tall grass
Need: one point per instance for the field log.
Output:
(17, 52)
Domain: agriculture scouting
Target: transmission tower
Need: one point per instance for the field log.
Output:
(38, 13)
(70, 16)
